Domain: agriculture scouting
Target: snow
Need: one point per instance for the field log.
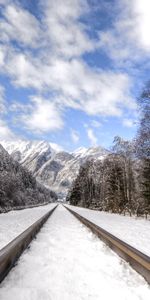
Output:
(95, 152)
(81, 150)
(52, 166)
(132, 230)
(56, 147)
(15, 222)
(27, 148)
(68, 262)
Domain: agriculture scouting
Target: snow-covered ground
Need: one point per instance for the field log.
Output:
(68, 262)
(15, 222)
(132, 230)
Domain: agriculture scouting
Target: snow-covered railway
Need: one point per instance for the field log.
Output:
(138, 260)
(67, 261)
(11, 252)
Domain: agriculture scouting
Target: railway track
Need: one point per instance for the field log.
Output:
(138, 260)
(11, 252)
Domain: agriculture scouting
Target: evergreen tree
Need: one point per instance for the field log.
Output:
(143, 145)
(126, 151)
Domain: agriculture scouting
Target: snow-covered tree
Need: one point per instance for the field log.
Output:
(125, 151)
(17, 185)
(143, 146)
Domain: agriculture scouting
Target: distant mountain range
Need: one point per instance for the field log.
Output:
(54, 168)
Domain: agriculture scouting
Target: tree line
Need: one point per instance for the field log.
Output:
(120, 182)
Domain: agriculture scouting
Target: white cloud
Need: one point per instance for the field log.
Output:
(141, 22)
(65, 32)
(19, 25)
(5, 132)
(23, 69)
(20, 107)
(128, 123)
(128, 39)
(4, 2)
(2, 99)
(43, 117)
(55, 66)
(76, 84)
(92, 137)
(96, 93)
(75, 136)
(4, 50)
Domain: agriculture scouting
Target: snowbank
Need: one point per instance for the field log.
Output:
(15, 222)
(131, 230)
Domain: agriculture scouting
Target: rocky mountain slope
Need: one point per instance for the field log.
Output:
(18, 187)
(31, 154)
(55, 169)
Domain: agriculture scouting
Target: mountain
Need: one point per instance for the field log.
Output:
(53, 168)
(91, 153)
(32, 154)
(18, 187)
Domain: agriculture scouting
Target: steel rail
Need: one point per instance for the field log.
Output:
(11, 252)
(139, 261)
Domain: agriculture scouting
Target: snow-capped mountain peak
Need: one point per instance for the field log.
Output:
(54, 168)
(95, 152)
(80, 151)
(56, 147)
(26, 148)
(31, 154)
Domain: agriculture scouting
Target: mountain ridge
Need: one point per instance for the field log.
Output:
(55, 169)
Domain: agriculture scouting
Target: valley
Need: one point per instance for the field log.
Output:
(54, 168)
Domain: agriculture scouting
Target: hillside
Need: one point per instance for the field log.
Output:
(53, 168)
(18, 187)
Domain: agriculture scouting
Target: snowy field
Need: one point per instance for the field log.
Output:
(68, 262)
(15, 222)
(132, 230)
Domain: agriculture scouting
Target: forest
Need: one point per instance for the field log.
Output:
(18, 187)
(120, 183)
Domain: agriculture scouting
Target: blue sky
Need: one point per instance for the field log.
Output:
(71, 70)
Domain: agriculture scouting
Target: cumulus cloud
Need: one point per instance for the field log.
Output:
(92, 137)
(76, 84)
(44, 116)
(19, 25)
(65, 32)
(47, 56)
(140, 11)
(129, 38)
